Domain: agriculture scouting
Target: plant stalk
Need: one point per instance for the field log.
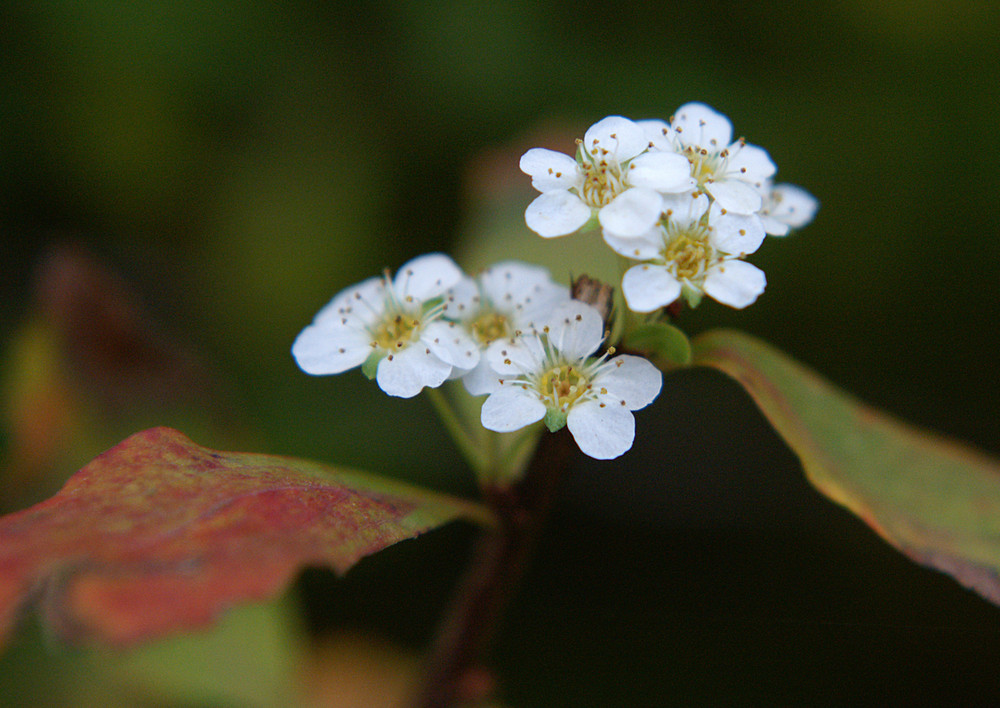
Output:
(500, 558)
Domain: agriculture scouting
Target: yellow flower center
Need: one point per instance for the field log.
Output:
(704, 164)
(603, 179)
(489, 327)
(396, 331)
(688, 255)
(562, 386)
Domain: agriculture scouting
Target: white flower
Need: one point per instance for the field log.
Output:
(786, 207)
(613, 175)
(695, 251)
(549, 374)
(394, 325)
(732, 172)
(501, 300)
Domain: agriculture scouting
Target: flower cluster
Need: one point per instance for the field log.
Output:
(510, 332)
(680, 196)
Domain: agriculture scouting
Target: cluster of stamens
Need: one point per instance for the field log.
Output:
(603, 179)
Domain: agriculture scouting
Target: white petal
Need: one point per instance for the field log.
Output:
(685, 209)
(426, 277)
(602, 433)
(513, 357)
(617, 136)
(521, 292)
(407, 372)
(657, 133)
(575, 329)
(451, 344)
(736, 234)
(632, 213)
(662, 171)
(556, 214)
(462, 301)
(772, 226)
(697, 124)
(750, 163)
(631, 379)
(639, 248)
(511, 408)
(735, 283)
(550, 170)
(330, 348)
(792, 205)
(358, 305)
(649, 287)
(735, 196)
(481, 380)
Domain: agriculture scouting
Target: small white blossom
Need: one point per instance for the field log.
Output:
(505, 298)
(614, 175)
(786, 207)
(731, 172)
(695, 251)
(549, 374)
(394, 325)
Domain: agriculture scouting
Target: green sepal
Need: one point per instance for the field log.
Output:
(555, 419)
(370, 367)
(692, 296)
(667, 346)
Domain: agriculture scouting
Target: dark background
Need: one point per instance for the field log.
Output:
(239, 163)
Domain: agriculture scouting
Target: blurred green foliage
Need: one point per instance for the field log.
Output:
(240, 162)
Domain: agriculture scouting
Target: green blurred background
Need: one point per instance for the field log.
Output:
(237, 163)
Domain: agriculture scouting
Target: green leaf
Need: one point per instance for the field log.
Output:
(935, 499)
(666, 345)
(159, 534)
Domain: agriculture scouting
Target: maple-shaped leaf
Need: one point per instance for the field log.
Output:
(159, 534)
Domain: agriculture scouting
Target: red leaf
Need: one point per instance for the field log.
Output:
(159, 534)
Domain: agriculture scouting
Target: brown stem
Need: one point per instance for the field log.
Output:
(498, 563)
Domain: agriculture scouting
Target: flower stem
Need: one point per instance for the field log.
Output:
(499, 561)
(472, 450)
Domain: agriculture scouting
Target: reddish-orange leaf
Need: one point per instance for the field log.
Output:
(159, 534)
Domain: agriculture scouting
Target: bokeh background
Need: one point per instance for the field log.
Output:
(232, 165)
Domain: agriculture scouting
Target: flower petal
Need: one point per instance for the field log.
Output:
(511, 408)
(575, 329)
(462, 301)
(521, 291)
(686, 208)
(601, 432)
(658, 133)
(662, 171)
(736, 234)
(482, 379)
(632, 213)
(556, 214)
(550, 170)
(330, 348)
(359, 305)
(618, 137)
(631, 379)
(639, 248)
(450, 343)
(407, 372)
(514, 357)
(735, 196)
(750, 163)
(791, 205)
(426, 277)
(697, 124)
(735, 283)
(649, 287)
